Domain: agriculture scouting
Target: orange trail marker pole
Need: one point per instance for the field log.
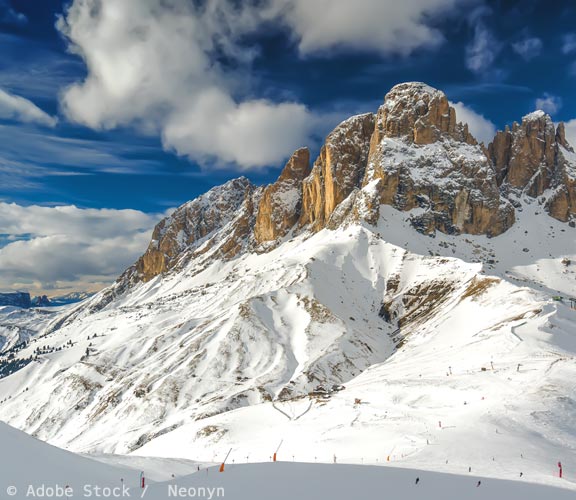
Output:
(276, 452)
(222, 466)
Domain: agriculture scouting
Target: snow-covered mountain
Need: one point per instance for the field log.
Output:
(410, 276)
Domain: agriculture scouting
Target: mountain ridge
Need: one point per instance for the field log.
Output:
(412, 154)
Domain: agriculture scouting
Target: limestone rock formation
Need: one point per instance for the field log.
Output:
(534, 158)
(419, 114)
(281, 202)
(194, 223)
(413, 155)
(420, 157)
(338, 170)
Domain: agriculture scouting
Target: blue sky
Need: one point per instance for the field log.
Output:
(143, 105)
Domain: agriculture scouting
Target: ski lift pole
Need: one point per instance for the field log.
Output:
(222, 466)
(276, 452)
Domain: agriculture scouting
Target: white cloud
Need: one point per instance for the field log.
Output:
(385, 26)
(571, 132)
(155, 65)
(17, 108)
(569, 43)
(484, 47)
(528, 48)
(161, 75)
(480, 127)
(549, 103)
(51, 247)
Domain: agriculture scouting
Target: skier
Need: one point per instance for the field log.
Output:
(469, 469)
(521, 474)
(479, 483)
(417, 480)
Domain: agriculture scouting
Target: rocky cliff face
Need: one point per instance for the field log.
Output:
(16, 299)
(419, 114)
(421, 158)
(534, 158)
(195, 226)
(413, 155)
(281, 202)
(338, 170)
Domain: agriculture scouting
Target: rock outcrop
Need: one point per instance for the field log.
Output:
(16, 299)
(338, 170)
(192, 225)
(419, 114)
(281, 202)
(534, 158)
(421, 157)
(41, 301)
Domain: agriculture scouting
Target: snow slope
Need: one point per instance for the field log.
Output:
(35, 469)
(287, 481)
(187, 366)
(29, 463)
(20, 325)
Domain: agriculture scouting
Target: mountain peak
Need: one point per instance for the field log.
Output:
(536, 115)
(420, 114)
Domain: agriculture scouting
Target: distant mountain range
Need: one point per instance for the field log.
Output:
(25, 301)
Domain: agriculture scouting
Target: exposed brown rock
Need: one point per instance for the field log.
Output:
(189, 225)
(561, 137)
(413, 155)
(420, 114)
(281, 203)
(420, 157)
(535, 158)
(337, 171)
(525, 155)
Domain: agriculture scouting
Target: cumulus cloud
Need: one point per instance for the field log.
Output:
(181, 69)
(48, 248)
(385, 26)
(549, 103)
(17, 108)
(152, 64)
(480, 127)
(528, 48)
(484, 47)
(569, 43)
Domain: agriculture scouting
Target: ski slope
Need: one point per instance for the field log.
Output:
(34, 469)
(26, 462)
(287, 481)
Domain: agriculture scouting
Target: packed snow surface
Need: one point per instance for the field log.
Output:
(33, 469)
